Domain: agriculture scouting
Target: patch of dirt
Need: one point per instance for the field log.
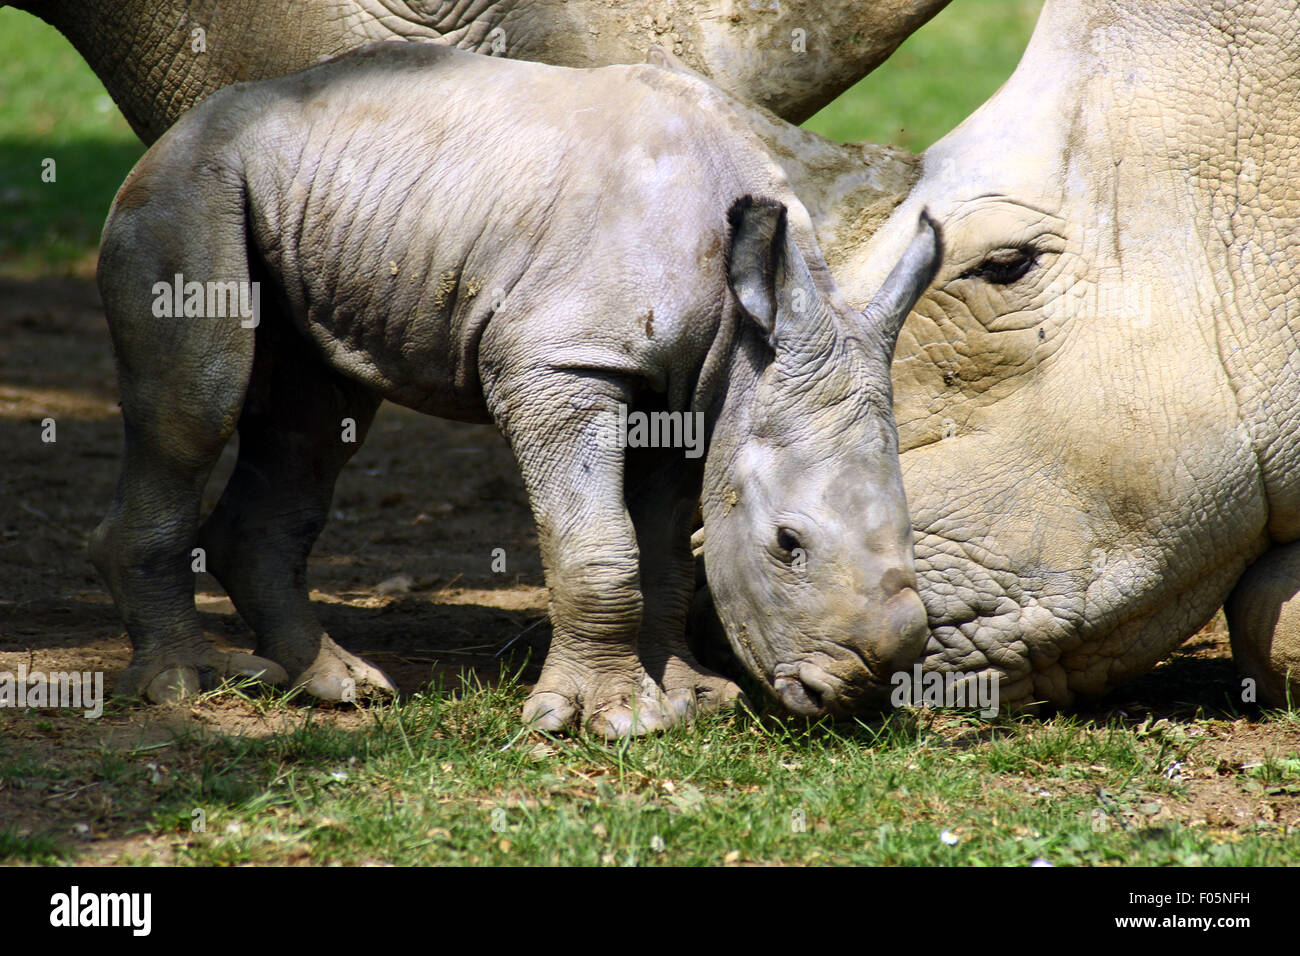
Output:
(403, 572)
(1213, 749)
(402, 575)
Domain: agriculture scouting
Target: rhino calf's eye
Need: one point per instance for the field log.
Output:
(1004, 266)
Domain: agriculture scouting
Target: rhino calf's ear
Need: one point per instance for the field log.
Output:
(757, 238)
(909, 279)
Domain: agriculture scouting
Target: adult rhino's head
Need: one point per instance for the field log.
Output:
(1093, 398)
(807, 536)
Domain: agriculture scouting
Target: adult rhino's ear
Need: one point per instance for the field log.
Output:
(754, 261)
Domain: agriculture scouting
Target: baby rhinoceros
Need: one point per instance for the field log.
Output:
(552, 250)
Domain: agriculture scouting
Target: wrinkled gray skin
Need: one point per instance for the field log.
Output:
(535, 264)
(1110, 346)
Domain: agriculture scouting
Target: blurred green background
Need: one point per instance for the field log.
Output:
(935, 79)
(53, 106)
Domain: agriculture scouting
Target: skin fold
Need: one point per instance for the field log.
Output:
(623, 243)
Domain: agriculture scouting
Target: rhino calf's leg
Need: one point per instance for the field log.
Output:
(557, 423)
(663, 486)
(299, 426)
(144, 546)
(143, 551)
(1263, 615)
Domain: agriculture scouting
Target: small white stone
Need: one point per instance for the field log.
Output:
(398, 584)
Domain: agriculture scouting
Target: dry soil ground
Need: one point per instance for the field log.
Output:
(403, 568)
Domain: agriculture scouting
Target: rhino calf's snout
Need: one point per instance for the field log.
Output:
(846, 683)
(848, 677)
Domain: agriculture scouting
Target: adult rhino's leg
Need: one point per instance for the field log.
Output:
(557, 424)
(1263, 614)
(663, 488)
(300, 425)
(182, 383)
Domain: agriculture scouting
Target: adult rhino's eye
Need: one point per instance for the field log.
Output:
(1004, 266)
(787, 540)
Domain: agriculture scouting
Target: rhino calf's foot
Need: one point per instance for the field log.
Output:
(691, 689)
(165, 677)
(575, 695)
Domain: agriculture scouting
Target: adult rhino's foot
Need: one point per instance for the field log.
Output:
(692, 689)
(334, 675)
(1263, 615)
(618, 703)
(165, 677)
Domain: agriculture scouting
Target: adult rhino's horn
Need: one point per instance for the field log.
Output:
(890, 306)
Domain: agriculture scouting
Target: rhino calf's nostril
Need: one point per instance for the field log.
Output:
(898, 579)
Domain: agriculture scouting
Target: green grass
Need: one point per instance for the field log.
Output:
(451, 778)
(936, 78)
(53, 107)
(40, 848)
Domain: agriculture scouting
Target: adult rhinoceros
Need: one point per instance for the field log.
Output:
(1097, 401)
